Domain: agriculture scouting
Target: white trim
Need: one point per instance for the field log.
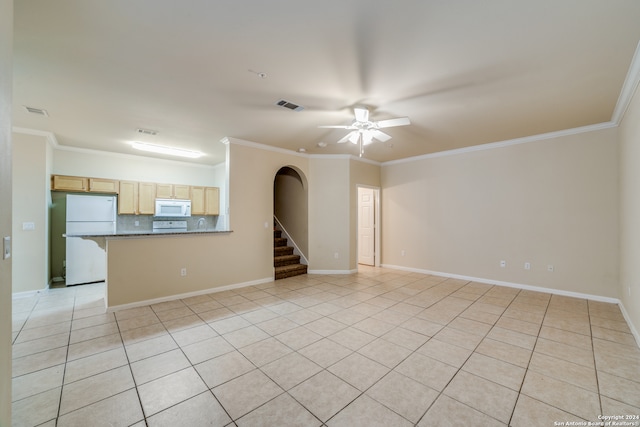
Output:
(186, 295)
(628, 88)
(28, 294)
(264, 147)
(507, 143)
(508, 284)
(51, 138)
(634, 331)
(325, 272)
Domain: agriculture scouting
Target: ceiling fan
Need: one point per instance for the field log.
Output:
(364, 131)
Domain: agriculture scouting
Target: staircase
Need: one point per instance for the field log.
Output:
(285, 262)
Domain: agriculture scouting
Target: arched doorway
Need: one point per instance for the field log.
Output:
(291, 222)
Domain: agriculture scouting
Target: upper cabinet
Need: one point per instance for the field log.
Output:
(128, 198)
(205, 201)
(100, 185)
(80, 183)
(69, 183)
(138, 198)
(172, 191)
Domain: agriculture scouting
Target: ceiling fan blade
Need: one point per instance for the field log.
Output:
(336, 127)
(346, 137)
(400, 121)
(354, 137)
(380, 136)
(362, 114)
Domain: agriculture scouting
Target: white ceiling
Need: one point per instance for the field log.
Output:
(466, 72)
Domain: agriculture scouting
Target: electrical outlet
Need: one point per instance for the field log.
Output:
(336, 255)
(402, 252)
(629, 290)
(183, 272)
(550, 268)
(28, 226)
(527, 266)
(503, 263)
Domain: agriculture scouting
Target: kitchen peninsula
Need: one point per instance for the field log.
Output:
(150, 267)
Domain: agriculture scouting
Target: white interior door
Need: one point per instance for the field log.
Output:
(366, 226)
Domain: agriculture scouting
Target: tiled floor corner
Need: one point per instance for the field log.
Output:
(376, 348)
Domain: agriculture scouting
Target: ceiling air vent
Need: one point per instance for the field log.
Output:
(38, 111)
(147, 131)
(289, 105)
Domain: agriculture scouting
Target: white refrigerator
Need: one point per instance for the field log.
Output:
(85, 257)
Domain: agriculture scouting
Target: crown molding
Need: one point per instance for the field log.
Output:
(245, 143)
(628, 88)
(507, 143)
(49, 136)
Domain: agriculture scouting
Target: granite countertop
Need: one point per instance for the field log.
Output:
(147, 233)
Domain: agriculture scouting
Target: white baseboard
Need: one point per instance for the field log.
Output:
(28, 294)
(508, 284)
(598, 298)
(634, 331)
(332, 271)
(187, 295)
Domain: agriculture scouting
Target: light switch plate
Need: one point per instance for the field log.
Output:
(6, 247)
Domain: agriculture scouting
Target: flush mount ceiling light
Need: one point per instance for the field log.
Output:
(144, 146)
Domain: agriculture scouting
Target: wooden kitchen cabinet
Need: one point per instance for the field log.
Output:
(146, 198)
(69, 183)
(172, 191)
(205, 201)
(136, 198)
(101, 185)
(212, 200)
(128, 198)
(197, 201)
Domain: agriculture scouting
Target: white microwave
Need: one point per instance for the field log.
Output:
(173, 208)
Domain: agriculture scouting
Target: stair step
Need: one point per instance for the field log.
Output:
(277, 233)
(282, 250)
(279, 261)
(290, 271)
(279, 241)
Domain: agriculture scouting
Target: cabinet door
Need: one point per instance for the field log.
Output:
(128, 198)
(197, 201)
(181, 192)
(99, 185)
(69, 183)
(212, 200)
(164, 191)
(147, 198)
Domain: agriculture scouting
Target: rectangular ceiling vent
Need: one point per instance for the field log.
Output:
(289, 105)
(38, 111)
(147, 131)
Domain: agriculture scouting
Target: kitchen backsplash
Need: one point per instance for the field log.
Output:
(127, 223)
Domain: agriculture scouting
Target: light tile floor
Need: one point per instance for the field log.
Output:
(376, 348)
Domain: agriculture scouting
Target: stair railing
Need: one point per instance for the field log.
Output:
(296, 249)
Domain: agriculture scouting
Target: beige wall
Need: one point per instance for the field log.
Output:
(329, 214)
(6, 42)
(361, 174)
(143, 269)
(630, 212)
(549, 202)
(30, 204)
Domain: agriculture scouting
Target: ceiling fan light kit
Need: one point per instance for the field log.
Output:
(364, 131)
